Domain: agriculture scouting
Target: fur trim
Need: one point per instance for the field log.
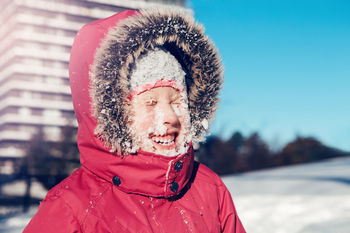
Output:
(181, 36)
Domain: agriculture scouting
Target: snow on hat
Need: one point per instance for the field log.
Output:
(156, 68)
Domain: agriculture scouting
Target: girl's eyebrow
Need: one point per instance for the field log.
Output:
(149, 95)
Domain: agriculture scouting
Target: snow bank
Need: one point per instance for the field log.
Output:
(304, 198)
(16, 224)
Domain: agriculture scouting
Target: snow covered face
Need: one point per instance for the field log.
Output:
(160, 121)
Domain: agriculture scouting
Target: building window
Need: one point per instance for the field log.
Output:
(37, 112)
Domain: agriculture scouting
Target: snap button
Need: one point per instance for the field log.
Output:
(116, 181)
(174, 186)
(178, 166)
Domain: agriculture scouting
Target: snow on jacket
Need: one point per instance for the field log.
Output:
(144, 192)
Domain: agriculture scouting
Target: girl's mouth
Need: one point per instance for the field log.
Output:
(165, 142)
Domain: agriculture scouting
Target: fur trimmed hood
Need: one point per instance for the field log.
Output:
(133, 34)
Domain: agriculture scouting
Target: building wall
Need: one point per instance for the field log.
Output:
(35, 42)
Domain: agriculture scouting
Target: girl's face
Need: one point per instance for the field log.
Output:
(161, 122)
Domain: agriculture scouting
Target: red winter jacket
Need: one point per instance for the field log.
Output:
(135, 193)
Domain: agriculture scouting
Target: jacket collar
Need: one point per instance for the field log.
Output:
(146, 173)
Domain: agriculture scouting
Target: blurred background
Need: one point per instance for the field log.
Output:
(281, 137)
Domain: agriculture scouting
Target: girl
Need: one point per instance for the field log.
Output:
(145, 87)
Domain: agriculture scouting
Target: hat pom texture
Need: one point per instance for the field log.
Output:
(115, 59)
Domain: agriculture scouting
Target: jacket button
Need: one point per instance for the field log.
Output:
(174, 186)
(116, 181)
(178, 166)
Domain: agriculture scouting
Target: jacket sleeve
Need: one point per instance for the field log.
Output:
(230, 222)
(53, 216)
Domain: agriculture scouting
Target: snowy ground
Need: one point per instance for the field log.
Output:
(16, 224)
(305, 198)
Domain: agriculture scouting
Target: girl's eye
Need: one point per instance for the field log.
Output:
(176, 103)
(151, 102)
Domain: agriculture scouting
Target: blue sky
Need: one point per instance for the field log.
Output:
(287, 67)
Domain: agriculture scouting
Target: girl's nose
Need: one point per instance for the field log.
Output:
(170, 117)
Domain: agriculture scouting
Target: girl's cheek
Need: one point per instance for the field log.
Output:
(146, 118)
(177, 110)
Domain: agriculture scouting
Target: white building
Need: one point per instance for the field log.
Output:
(35, 42)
